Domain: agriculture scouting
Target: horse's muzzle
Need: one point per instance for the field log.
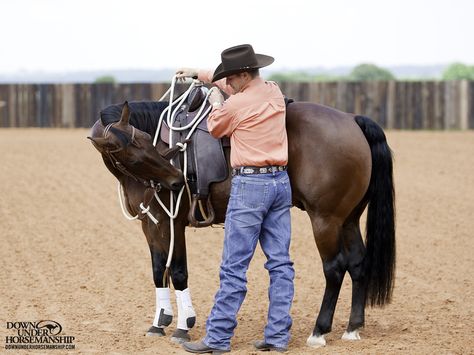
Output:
(177, 183)
(176, 186)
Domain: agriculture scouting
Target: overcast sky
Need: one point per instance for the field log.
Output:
(62, 35)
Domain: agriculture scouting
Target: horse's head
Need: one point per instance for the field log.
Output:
(132, 152)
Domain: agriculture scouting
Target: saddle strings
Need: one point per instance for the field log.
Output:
(173, 210)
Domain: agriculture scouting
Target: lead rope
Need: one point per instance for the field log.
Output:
(125, 212)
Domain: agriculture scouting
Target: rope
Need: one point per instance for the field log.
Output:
(122, 206)
(172, 212)
(147, 212)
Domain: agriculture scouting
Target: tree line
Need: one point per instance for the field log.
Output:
(362, 72)
(368, 72)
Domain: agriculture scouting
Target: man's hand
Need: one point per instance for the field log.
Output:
(183, 73)
(215, 97)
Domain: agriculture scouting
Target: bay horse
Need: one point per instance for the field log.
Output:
(339, 163)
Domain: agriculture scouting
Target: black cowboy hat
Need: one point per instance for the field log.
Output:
(239, 59)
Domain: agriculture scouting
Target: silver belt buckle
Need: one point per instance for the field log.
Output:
(263, 170)
(247, 170)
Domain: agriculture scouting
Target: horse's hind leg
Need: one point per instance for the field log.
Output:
(355, 251)
(328, 239)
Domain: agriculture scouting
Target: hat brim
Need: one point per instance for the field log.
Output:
(262, 61)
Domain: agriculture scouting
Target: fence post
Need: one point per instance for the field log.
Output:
(68, 106)
(464, 105)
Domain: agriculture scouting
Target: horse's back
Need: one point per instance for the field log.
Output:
(329, 159)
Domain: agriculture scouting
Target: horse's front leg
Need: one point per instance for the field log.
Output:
(158, 242)
(179, 276)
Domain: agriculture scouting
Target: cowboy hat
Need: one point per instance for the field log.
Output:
(238, 59)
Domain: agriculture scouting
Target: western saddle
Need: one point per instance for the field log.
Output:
(206, 162)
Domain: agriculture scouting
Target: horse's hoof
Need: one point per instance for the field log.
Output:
(354, 335)
(155, 332)
(316, 341)
(180, 336)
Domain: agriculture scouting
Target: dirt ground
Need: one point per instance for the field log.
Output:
(68, 254)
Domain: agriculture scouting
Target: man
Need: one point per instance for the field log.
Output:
(260, 200)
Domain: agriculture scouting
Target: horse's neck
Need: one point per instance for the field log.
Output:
(147, 121)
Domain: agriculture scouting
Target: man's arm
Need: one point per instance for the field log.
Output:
(205, 76)
(220, 121)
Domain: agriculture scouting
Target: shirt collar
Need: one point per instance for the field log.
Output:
(252, 83)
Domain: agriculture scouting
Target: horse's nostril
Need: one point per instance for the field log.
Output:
(176, 185)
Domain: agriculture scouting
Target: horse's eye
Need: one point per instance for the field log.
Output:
(133, 162)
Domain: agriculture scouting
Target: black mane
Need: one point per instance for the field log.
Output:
(144, 115)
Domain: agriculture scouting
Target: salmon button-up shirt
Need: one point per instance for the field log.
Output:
(254, 119)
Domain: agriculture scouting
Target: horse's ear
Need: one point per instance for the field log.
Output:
(125, 117)
(102, 144)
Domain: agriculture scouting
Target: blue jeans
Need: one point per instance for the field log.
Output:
(258, 210)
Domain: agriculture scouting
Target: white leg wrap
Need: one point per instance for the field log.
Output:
(354, 335)
(164, 311)
(316, 341)
(186, 314)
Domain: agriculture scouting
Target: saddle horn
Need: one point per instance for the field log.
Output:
(170, 153)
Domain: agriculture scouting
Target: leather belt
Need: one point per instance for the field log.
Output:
(249, 170)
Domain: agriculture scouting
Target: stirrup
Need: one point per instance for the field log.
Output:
(192, 213)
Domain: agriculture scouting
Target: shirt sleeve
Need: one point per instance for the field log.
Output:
(206, 76)
(220, 121)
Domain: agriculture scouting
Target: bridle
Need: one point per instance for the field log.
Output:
(120, 167)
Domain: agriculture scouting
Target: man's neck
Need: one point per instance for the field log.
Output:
(247, 83)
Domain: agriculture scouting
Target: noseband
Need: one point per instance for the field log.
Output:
(120, 167)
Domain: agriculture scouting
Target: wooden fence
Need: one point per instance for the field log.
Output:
(393, 104)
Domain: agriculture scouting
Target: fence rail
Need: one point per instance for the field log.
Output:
(393, 104)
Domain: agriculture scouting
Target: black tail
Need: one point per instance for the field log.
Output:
(380, 232)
